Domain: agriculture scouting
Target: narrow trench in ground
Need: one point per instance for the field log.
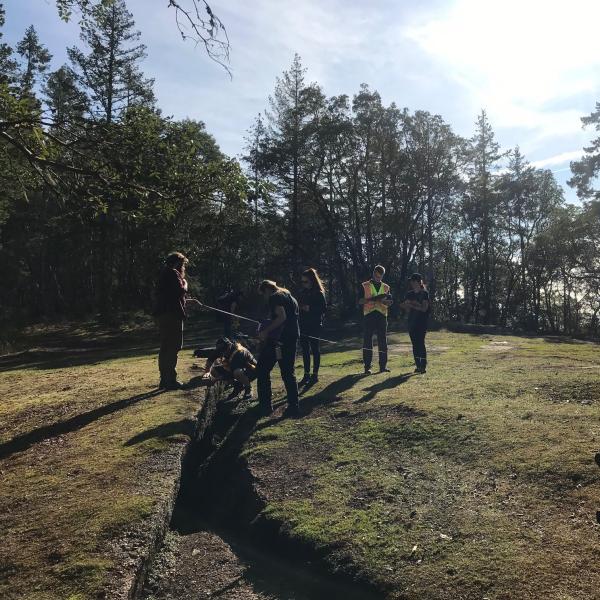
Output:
(218, 546)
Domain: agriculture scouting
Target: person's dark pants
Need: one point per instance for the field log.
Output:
(309, 346)
(417, 337)
(227, 327)
(170, 326)
(375, 323)
(265, 364)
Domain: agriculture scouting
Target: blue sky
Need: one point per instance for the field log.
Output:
(532, 64)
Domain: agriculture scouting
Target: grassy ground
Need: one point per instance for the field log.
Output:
(88, 448)
(476, 480)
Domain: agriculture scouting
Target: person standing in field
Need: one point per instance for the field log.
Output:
(280, 338)
(417, 304)
(375, 300)
(170, 313)
(228, 302)
(313, 306)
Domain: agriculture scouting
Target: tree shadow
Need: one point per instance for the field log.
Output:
(386, 384)
(26, 440)
(163, 432)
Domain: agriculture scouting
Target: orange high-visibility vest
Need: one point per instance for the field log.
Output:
(370, 292)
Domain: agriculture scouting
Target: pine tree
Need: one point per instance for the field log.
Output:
(36, 58)
(294, 108)
(8, 66)
(479, 208)
(67, 103)
(110, 70)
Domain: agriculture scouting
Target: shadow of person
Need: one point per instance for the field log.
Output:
(184, 427)
(328, 395)
(76, 422)
(386, 384)
(197, 382)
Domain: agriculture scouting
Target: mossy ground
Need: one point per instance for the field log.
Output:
(68, 502)
(475, 480)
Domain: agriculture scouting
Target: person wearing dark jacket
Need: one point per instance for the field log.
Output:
(170, 313)
(417, 304)
(313, 306)
(279, 338)
(228, 302)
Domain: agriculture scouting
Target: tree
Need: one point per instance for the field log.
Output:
(36, 58)
(110, 71)
(586, 171)
(8, 66)
(293, 117)
(67, 103)
(198, 23)
(479, 207)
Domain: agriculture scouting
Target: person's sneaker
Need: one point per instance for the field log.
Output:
(368, 371)
(174, 385)
(305, 380)
(385, 370)
(247, 395)
(314, 378)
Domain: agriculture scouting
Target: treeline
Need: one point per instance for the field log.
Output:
(97, 185)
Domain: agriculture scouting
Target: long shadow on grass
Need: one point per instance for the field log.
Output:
(165, 431)
(386, 384)
(22, 442)
(328, 395)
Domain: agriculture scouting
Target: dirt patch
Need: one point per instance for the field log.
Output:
(579, 392)
(408, 348)
(200, 565)
(498, 346)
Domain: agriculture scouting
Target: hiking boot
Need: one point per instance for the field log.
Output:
(292, 410)
(305, 380)
(174, 385)
(265, 410)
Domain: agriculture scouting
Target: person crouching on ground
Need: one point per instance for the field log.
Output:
(280, 338)
(417, 304)
(234, 363)
(375, 300)
(312, 309)
(170, 313)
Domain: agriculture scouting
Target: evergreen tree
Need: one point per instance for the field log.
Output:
(8, 66)
(36, 58)
(67, 103)
(479, 206)
(110, 70)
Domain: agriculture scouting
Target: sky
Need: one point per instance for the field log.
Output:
(533, 65)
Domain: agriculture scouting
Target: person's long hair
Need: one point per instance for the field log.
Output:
(177, 260)
(314, 278)
(268, 284)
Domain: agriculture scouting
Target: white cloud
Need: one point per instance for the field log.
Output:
(558, 159)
